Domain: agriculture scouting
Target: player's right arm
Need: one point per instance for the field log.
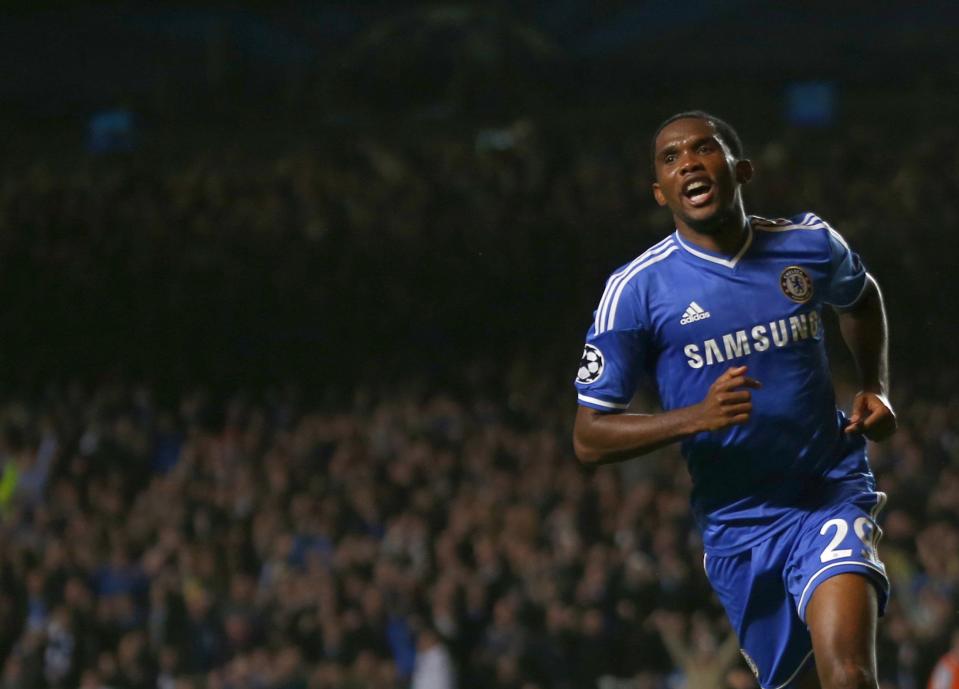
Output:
(602, 437)
(618, 347)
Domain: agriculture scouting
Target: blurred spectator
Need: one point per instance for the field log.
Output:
(434, 665)
(703, 662)
(946, 673)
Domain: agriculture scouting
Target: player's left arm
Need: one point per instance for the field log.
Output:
(866, 333)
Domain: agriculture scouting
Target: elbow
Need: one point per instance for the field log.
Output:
(591, 438)
(585, 454)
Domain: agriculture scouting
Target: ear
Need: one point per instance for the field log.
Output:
(658, 194)
(744, 171)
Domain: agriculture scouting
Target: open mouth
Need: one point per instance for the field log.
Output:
(699, 192)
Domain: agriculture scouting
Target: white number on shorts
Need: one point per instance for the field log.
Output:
(868, 538)
(830, 553)
(842, 528)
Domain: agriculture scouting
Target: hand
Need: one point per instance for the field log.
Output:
(872, 415)
(667, 623)
(727, 404)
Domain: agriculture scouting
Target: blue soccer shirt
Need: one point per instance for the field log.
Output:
(682, 315)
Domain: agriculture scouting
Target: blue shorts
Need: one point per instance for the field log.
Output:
(766, 589)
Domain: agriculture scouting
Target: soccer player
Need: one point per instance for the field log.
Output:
(724, 315)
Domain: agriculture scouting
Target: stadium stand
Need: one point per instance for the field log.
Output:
(176, 515)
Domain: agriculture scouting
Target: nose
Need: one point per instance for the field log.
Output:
(690, 163)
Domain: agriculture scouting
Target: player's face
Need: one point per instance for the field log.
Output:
(696, 174)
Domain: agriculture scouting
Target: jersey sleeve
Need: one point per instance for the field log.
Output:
(847, 274)
(612, 357)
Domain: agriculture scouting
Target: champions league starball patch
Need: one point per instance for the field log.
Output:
(796, 284)
(590, 366)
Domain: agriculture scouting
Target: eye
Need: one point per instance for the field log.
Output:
(705, 148)
(669, 158)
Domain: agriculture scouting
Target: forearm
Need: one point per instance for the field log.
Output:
(681, 656)
(600, 438)
(865, 332)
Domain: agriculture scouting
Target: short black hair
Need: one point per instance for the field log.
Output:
(726, 131)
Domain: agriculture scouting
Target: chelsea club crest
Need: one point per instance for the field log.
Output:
(796, 284)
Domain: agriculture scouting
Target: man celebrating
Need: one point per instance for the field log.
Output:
(725, 316)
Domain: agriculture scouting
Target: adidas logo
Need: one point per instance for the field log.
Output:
(694, 312)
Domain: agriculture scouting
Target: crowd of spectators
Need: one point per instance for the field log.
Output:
(434, 531)
(400, 539)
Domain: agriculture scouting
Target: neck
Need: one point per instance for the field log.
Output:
(724, 235)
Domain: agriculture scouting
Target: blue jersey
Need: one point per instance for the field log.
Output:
(681, 316)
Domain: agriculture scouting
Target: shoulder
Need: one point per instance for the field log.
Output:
(647, 263)
(805, 231)
(795, 223)
(624, 282)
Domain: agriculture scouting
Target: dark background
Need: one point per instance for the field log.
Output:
(330, 86)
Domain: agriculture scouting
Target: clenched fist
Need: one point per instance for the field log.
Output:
(872, 415)
(727, 403)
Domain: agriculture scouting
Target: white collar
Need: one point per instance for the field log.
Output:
(728, 262)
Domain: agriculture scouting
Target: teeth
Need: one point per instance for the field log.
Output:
(695, 187)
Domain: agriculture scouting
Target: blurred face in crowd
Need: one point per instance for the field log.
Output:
(697, 176)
